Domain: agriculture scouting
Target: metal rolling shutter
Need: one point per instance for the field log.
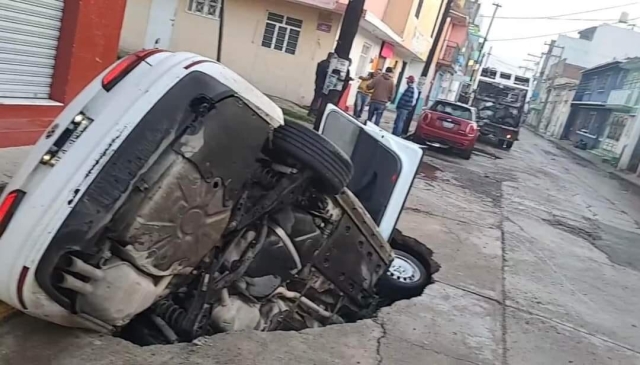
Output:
(29, 32)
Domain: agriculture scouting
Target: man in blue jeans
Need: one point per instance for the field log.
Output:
(382, 88)
(405, 103)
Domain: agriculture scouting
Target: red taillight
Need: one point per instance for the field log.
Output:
(8, 208)
(426, 118)
(124, 67)
(472, 129)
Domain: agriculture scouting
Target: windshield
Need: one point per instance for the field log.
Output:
(455, 110)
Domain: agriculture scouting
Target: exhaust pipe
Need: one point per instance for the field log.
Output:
(78, 266)
(71, 283)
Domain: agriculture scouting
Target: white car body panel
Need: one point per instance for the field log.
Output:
(409, 153)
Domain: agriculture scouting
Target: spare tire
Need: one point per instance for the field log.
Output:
(332, 166)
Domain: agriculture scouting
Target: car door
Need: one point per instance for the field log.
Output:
(384, 165)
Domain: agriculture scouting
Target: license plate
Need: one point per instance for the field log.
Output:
(448, 125)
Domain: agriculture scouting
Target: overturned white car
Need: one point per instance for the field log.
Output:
(170, 200)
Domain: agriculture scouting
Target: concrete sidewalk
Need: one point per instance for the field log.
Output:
(594, 160)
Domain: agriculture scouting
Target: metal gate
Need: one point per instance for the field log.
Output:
(29, 32)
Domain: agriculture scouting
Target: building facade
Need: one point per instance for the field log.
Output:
(590, 110)
(276, 44)
(49, 51)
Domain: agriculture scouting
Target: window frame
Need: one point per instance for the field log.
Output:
(419, 9)
(191, 4)
(286, 25)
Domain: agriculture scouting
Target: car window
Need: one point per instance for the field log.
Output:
(454, 110)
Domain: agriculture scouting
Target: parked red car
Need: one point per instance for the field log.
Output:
(448, 125)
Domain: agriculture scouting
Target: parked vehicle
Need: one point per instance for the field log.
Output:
(446, 124)
(500, 99)
(170, 200)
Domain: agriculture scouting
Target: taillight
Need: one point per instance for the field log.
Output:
(9, 207)
(426, 118)
(124, 67)
(471, 130)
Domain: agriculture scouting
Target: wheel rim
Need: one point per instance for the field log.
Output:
(402, 269)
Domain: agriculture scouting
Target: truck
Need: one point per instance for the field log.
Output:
(500, 99)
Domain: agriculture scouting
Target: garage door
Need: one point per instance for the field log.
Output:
(29, 32)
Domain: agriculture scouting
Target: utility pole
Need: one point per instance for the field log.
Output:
(337, 74)
(220, 31)
(484, 41)
(526, 69)
(549, 86)
(427, 65)
(476, 77)
(541, 77)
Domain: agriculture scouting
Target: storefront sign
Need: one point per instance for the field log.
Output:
(324, 27)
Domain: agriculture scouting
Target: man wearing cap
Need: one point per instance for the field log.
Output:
(407, 100)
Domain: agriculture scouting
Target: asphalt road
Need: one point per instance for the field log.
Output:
(540, 264)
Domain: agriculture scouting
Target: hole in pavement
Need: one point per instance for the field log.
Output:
(429, 171)
(407, 277)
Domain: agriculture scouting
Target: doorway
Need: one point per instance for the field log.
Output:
(160, 26)
(399, 81)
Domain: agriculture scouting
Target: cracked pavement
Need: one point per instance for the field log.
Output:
(540, 258)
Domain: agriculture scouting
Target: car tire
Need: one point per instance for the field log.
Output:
(414, 254)
(332, 166)
(466, 154)
(509, 145)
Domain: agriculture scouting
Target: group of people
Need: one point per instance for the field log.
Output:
(377, 89)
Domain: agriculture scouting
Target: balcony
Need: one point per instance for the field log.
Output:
(626, 100)
(450, 54)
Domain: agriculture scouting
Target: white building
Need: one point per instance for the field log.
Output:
(597, 45)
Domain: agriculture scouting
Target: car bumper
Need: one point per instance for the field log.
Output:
(443, 139)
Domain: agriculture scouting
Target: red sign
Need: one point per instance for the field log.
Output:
(387, 50)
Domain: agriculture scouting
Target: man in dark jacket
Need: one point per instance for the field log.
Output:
(405, 103)
(321, 76)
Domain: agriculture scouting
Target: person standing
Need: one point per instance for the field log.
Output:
(382, 88)
(363, 95)
(406, 102)
(322, 70)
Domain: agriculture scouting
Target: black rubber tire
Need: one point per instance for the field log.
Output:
(501, 143)
(332, 166)
(391, 289)
(466, 154)
(509, 145)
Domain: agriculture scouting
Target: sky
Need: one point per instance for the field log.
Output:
(510, 54)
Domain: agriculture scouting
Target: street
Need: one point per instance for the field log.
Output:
(540, 256)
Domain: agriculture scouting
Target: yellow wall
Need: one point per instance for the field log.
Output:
(400, 16)
(273, 72)
(134, 26)
(195, 33)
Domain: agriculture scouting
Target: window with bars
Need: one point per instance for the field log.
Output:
(281, 33)
(208, 8)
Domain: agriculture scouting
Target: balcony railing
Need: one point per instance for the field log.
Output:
(450, 53)
(625, 98)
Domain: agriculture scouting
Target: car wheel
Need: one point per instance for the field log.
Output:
(332, 166)
(407, 250)
(509, 145)
(405, 278)
(466, 154)
(501, 143)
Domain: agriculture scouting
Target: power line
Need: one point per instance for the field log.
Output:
(544, 35)
(561, 15)
(568, 19)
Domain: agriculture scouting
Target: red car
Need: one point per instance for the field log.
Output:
(448, 125)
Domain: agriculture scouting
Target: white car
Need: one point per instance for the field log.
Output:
(171, 200)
